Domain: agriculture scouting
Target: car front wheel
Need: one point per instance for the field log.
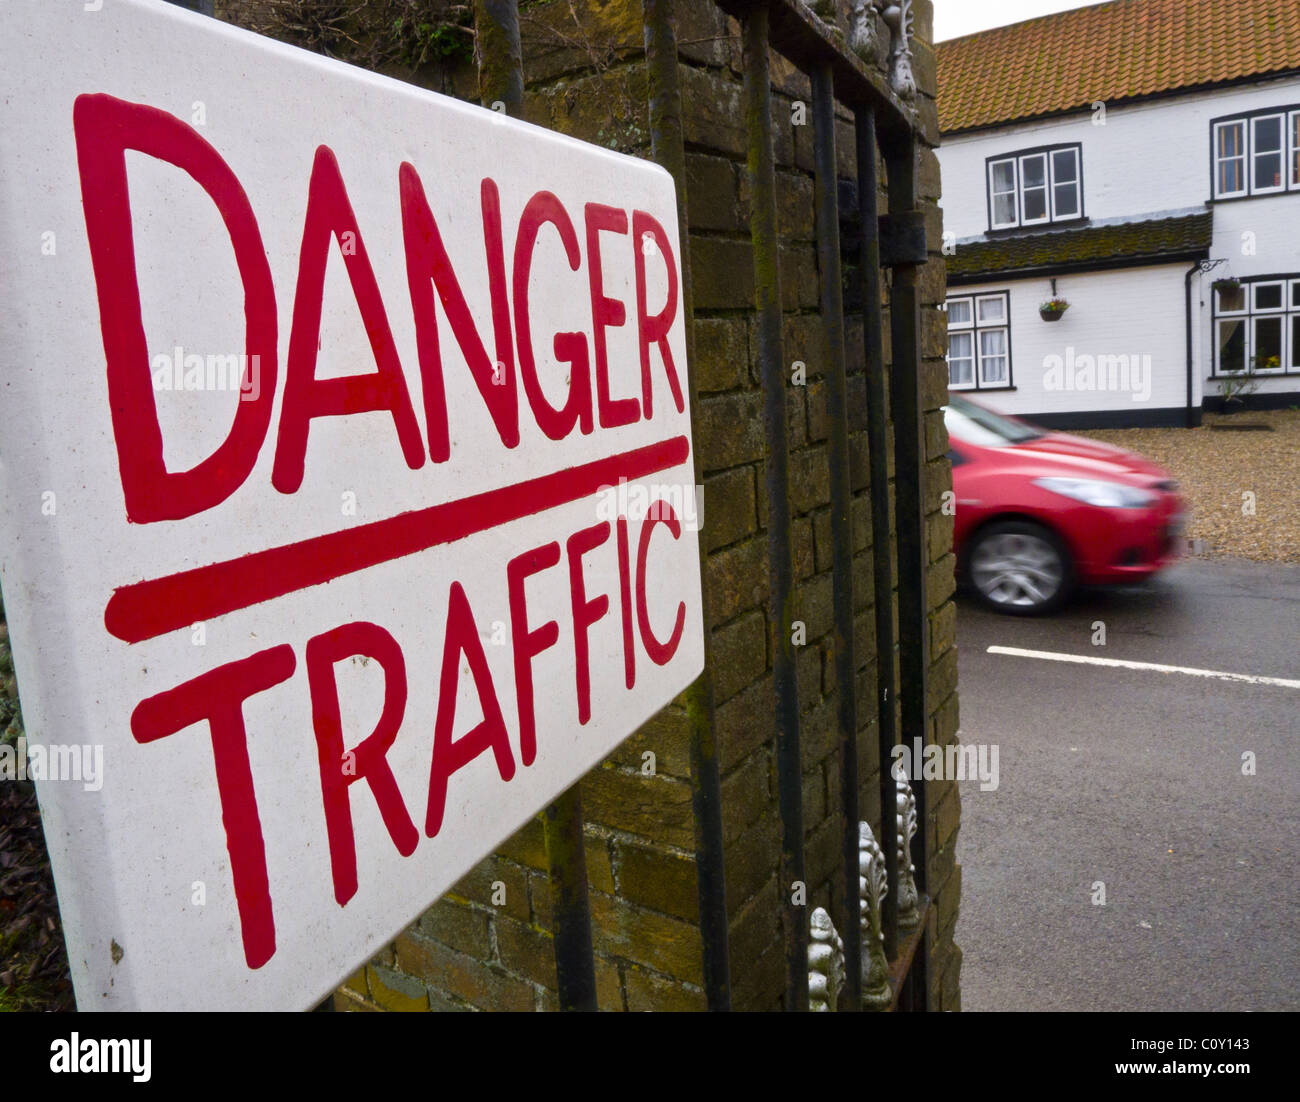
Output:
(1019, 568)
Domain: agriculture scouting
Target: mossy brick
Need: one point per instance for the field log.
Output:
(712, 112)
(949, 817)
(746, 796)
(527, 846)
(647, 990)
(942, 682)
(939, 534)
(608, 108)
(553, 45)
(721, 354)
(713, 193)
(600, 869)
(635, 934)
(473, 981)
(730, 508)
(346, 1004)
(456, 925)
(814, 798)
(801, 548)
(798, 277)
(667, 735)
(939, 580)
(752, 860)
(739, 655)
(482, 883)
(656, 807)
(818, 417)
(803, 338)
(808, 675)
(722, 273)
(659, 879)
(822, 545)
(357, 982)
(526, 951)
(947, 719)
(795, 206)
(796, 415)
(730, 430)
(756, 924)
(737, 579)
(936, 483)
(761, 986)
(706, 35)
(788, 78)
(936, 435)
(809, 479)
(814, 604)
(822, 852)
(783, 139)
(949, 899)
(744, 723)
(943, 629)
(934, 339)
(395, 991)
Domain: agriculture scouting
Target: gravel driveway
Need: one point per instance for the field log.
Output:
(1218, 468)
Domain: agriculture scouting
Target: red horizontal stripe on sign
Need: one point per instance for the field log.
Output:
(147, 609)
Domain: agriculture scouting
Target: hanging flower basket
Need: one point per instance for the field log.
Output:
(1225, 284)
(1053, 309)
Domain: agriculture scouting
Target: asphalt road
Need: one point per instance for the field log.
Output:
(1134, 778)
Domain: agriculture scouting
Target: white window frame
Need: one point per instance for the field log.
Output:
(1014, 193)
(1242, 158)
(1292, 344)
(1045, 188)
(975, 329)
(1293, 160)
(1281, 153)
(1075, 153)
(968, 328)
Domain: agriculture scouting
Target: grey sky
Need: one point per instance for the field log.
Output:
(953, 18)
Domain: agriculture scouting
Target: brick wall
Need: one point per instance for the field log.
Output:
(488, 943)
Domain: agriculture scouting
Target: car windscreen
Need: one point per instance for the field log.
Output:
(982, 427)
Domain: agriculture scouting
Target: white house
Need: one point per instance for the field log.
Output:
(1126, 158)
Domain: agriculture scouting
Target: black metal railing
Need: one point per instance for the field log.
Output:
(884, 127)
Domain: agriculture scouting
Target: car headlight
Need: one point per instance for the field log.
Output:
(1106, 495)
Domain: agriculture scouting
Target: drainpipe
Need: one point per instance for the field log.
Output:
(1202, 267)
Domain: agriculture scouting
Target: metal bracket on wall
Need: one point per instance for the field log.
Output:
(902, 238)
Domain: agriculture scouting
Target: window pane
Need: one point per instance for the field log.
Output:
(961, 359)
(1268, 344)
(1065, 200)
(1295, 149)
(1232, 345)
(1004, 210)
(1230, 155)
(1268, 152)
(958, 311)
(992, 310)
(1295, 295)
(1035, 204)
(1065, 166)
(1268, 296)
(1295, 343)
(1004, 176)
(993, 357)
(1033, 171)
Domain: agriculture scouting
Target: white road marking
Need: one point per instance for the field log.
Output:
(1090, 660)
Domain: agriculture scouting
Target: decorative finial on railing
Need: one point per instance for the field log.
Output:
(872, 885)
(908, 915)
(825, 964)
(902, 24)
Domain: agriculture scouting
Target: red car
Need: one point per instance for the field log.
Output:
(1039, 512)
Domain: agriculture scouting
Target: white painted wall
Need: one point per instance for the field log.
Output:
(1135, 312)
(1146, 160)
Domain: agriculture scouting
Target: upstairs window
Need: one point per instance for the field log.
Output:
(1035, 187)
(1256, 154)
